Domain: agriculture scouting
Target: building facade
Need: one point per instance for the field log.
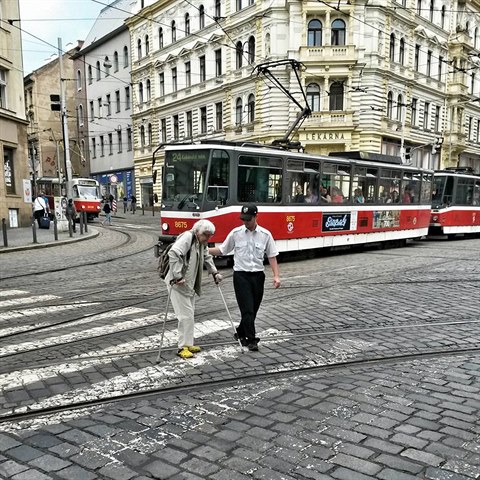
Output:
(15, 192)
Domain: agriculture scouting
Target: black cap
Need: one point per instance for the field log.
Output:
(248, 212)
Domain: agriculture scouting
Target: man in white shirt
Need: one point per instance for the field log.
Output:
(39, 207)
(249, 243)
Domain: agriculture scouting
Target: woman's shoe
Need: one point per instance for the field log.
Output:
(194, 349)
(185, 353)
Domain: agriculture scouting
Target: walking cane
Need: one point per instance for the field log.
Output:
(163, 329)
(230, 317)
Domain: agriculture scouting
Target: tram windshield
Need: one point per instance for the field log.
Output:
(442, 191)
(85, 193)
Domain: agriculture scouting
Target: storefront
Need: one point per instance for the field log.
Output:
(118, 184)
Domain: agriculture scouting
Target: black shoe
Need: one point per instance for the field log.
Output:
(252, 345)
(243, 340)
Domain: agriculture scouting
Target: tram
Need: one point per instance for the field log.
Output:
(455, 202)
(307, 202)
(85, 193)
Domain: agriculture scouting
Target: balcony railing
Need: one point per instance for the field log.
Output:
(328, 53)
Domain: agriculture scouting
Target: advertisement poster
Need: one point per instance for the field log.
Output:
(386, 218)
(27, 191)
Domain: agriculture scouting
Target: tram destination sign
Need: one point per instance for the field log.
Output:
(335, 222)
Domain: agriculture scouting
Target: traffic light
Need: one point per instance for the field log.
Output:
(55, 106)
(436, 145)
(408, 154)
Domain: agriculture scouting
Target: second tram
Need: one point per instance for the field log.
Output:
(306, 201)
(455, 202)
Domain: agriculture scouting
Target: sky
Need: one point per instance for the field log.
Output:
(71, 20)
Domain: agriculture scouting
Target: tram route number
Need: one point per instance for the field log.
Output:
(181, 225)
(290, 218)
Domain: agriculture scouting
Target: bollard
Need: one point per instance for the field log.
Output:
(34, 231)
(81, 223)
(70, 226)
(55, 228)
(85, 221)
(153, 209)
(4, 231)
(143, 209)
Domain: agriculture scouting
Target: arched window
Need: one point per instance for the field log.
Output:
(115, 61)
(98, 71)
(336, 96)
(160, 37)
(251, 108)
(150, 134)
(251, 50)
(187, 24)
(238, 111)
(80, 115)
(201, 16)
(239, 55)
(338, 32)
(125, 57)
(314, 33)
(475, 38)
(431, 10)
(442, 16)
(392, 47)
(140, 92)
(267, 45)
(139, 48)
(218, 9)
(390, 105)
(107, 66)
(147, 45)
(174, 31)
(313, 97)
(79, 80)
(90, 74)
(142, 136)
(149, 90)
(401, 58)
(399, 108)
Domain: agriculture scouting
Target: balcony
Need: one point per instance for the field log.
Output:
(329, 54)
(327, 119)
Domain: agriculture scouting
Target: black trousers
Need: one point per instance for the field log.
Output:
(249, 288)
(38, 214)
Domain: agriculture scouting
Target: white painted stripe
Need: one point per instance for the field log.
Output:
(42, 311)
(27, 300)
(11, 293)
(83, 334)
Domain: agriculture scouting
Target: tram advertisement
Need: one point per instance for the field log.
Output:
(335, 222)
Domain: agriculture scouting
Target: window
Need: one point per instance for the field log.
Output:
(392, 47)
(187, 24)
(127, 98)
(431, 10)
(110, 143)
(338, 32)
(313, 97)
(238, 55)
(119, 140)
(238, 111)
(251, 50)
(125, 57)
(429, 62)
(139, 48)
(176, 132)
(442, 16)
(218, 116)
(90, 75)
(218, 10)
(303, 182)
(218, 63)
(94, 148)
(419, 7)
(107, 65)
(201, 16)
(142, 136)
(115, 61)
(417, 57)
(163, 130)
(440, 68)
(437, 117)
(389, 186)
(129, 139)
(8, 170)
(188, 74)
(79, 80)
(147, 45)
(336, 96)
(149, 90)
(390, 105)
(203, 73)
(117, 101)
(161, 79)
(100, 109)
(401, 58)
(238, 5)
(400, 106)
(109, 105)
(140, 92)
(98, 72)
(102, 146)
(203, 120)
(426, 114)
(174, 31)
(3, 88)
(251, 108)
(414, 111)
(160, 37)
(92, 111)
(174, 79)
(150, 134)
(314, 35)
(189, 125)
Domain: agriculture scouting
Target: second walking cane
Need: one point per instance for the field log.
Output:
(230, 317)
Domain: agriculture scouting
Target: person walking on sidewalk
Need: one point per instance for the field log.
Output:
(40, 207)
(133, 203)
(108, 214)
(249, 243)
(187, 257)
(71, 214)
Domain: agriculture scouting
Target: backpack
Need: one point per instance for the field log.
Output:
(164, 262)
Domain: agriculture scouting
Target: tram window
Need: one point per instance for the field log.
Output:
(389, 186)
(336, 181)
(364, 184)
(217, 190)
(464, 191)
(476, 193)
(438, 190)
(408, 189)
(259, 179)
(426, 193)
(303, 182)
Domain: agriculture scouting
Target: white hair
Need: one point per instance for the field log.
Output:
(204, 226)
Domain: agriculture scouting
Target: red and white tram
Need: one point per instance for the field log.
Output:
(455, 202)
(306, 201)
(85, 193)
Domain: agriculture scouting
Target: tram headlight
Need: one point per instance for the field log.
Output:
(165, 226)
(83, 207)
(435, 218)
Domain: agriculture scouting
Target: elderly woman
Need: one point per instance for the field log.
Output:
(184, 279)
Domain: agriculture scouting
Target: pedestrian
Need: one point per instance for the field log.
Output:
(125, 204)
(108, 213)
(40, 207)
(187, 257)
(133, 203)
(249, 243)
(71, 214)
